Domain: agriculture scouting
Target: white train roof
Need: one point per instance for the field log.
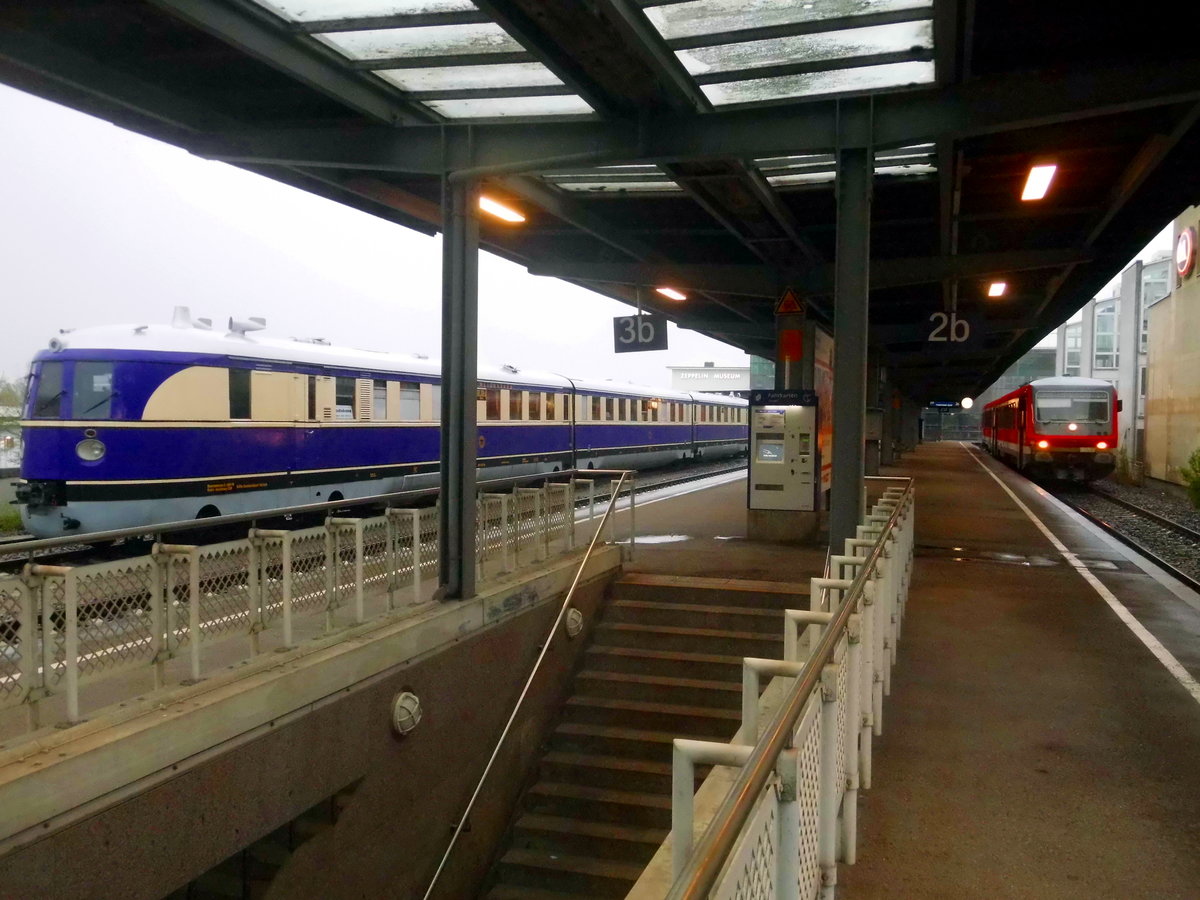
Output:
(186, 336)
(1070, 381)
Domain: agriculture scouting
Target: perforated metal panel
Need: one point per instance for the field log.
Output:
(750, 874)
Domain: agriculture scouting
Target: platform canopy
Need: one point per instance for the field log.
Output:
(690, 144)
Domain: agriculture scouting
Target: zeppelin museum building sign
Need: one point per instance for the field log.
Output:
(711, 379)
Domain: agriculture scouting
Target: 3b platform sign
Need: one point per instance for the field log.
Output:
(645, 332)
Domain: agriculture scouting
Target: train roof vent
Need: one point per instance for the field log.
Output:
(203, 324)
(510, 368)
(181, 317)
(420, 356)
(324, 342)
(242, 326)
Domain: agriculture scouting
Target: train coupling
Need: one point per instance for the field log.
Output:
(41, 493)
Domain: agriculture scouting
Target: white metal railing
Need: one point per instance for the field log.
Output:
(791, 814)
(183, 611)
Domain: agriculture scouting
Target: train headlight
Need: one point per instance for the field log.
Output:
(1072, 427)
(1102, 445)
(90, 450)
(1042, 445)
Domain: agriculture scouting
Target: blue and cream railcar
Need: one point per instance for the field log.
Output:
(132, 426)
(720, 425)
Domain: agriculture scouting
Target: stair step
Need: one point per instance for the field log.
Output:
(627, 843)
(578, 874)
(598, 804)
(696, 640)
(604, 740)
(620, 772)
(637, 660)
(521, 892)
(661, 688)
(696, 615)
(701, 722)
(697, 589)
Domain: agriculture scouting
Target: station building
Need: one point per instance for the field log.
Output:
(1108, 338)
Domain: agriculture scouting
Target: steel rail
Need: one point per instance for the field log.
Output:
(1165, 522)
(562, 611)
(710, 853)
(1129, 541)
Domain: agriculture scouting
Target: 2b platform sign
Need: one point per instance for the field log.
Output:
(644, 332)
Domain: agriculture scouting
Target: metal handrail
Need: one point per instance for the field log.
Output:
(562, 611)
(276, 512)
(709, 855)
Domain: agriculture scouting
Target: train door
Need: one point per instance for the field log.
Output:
(1022, 410)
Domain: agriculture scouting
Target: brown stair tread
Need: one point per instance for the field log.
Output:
(716, 633)
(632, 833)
(717, 608)
(587, 865)
(519, 892)
(605, 795)
(669, 655)
(608, 731)
(700, 712)
(599, 761)
(724, 584)
(660, 680)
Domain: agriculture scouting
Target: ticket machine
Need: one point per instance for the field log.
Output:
(784, 463)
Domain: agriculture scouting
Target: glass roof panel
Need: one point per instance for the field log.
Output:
(434, 40)
(700, 17)
(321, 10)
(824, 175)
(498, 107)
(616, 187)
(862, 78)
(805, 48)
(442, 78)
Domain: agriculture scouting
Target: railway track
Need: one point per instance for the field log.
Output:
(85, 554)
(1171, 545)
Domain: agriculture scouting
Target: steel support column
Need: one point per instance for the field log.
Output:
(460, 324)
(851, 295)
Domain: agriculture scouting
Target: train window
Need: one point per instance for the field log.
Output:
(609, 403)
(312, 398)
(239, 393)
(551, 407)
(47, 403)
(597, 409)
(535, 406)
(491, 398)
(343, 396)
(435, 402)
(1084, 406)
(410, 401)
(516, 404)
(91, 396)
(379, 400)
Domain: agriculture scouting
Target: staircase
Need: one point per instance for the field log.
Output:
(665, 662)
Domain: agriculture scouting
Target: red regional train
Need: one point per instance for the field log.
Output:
(1055, 428)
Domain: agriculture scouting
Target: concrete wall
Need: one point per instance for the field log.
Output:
(1172, 417)
(410, 791)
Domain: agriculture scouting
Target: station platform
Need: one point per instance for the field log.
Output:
(1034, 745)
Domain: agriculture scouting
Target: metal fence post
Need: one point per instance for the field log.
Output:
(505, 531)
(194, 611)
(28, 631)
(416, 555)
(827, 803)
(160, 588)
(285, 587)
(71, 650)
(853, 732)
(359, 572)
(332, 546)
(254, 590)
(632, 517)
(787, 845)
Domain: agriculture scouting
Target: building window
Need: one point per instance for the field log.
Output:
(1106, 355)
(1073, 344)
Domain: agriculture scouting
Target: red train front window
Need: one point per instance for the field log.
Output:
(1057, 411)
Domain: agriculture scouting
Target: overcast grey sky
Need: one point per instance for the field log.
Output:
(101, 226)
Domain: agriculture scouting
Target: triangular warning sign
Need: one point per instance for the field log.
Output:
(789, 304)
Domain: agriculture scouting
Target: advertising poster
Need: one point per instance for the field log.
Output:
(823, 385)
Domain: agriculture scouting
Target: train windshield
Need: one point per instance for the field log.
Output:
(1077, 406)
(92, 392)
(47, 398)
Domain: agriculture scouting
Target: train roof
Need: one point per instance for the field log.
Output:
(186, 336)
(1069, 381)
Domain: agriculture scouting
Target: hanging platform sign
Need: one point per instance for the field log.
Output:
(645, 332)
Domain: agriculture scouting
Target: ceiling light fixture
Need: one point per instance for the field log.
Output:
(1038, 181)
(671, 293)
(499, 210)
(997, 288)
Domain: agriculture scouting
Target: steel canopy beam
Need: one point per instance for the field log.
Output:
(765, 281)
(984, 106)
